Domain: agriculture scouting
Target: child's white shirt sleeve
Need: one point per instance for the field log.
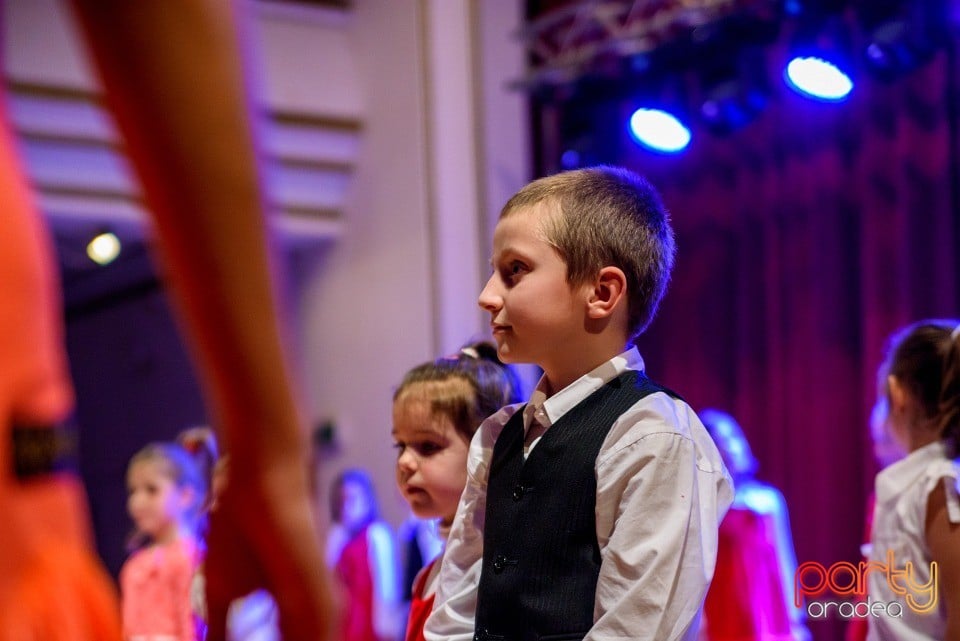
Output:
(455, 604)
(662, 491)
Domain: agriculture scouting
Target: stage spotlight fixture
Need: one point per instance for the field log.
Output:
(570, 159)
(821, 59)
(819, 79)
(661, 121)
(902, 36)
(589, 132)
(104, 248)
(730, 105)
(659, 130)
(734, 90)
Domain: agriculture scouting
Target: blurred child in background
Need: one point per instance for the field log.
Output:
(916, 519)
(362, 553)
(253, 617)
(168, 490)
(751, 597)
(420, 543)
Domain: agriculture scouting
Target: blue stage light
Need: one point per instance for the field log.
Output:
(733, 89)
(903, 36)
(817, 78)
(659, 130)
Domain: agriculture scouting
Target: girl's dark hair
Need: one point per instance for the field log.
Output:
(485, 386)
(925, 358)
(359, 477)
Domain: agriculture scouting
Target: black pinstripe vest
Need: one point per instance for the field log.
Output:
(541, 559)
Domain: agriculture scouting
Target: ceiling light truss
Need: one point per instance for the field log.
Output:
(567, 43)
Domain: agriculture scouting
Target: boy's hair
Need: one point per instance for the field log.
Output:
(607, 216)
(925, 359)
(466, 387)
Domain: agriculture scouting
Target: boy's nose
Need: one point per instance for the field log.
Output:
(490, 298)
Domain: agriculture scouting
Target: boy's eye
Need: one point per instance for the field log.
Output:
(513, 270)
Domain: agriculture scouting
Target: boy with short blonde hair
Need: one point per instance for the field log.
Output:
(592, 510)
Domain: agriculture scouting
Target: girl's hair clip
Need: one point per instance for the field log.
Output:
(471, 351)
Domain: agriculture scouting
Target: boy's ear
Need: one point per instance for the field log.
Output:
(609, 290)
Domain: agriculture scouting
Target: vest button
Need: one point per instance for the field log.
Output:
(499, 563)
(518, 492)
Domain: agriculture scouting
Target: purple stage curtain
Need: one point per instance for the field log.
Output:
(804, 239)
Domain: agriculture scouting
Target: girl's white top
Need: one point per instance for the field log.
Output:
(899, 534)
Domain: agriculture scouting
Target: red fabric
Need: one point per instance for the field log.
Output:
(355, 574)
(746, 601)
(420, 608)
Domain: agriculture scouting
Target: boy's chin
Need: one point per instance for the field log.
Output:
(505, 352)
(506, 356)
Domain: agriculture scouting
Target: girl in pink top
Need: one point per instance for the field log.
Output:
(167, 492)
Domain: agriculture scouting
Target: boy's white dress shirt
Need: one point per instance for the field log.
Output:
(662, 491)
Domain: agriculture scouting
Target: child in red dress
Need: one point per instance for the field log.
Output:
(361, 552)
(751, 596)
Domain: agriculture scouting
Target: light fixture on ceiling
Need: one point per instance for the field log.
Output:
(902, 36)
(734, 89)
(104, 248)
(821, 54)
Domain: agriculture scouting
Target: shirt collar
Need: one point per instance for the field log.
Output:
(892, 480)
(548, 411)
